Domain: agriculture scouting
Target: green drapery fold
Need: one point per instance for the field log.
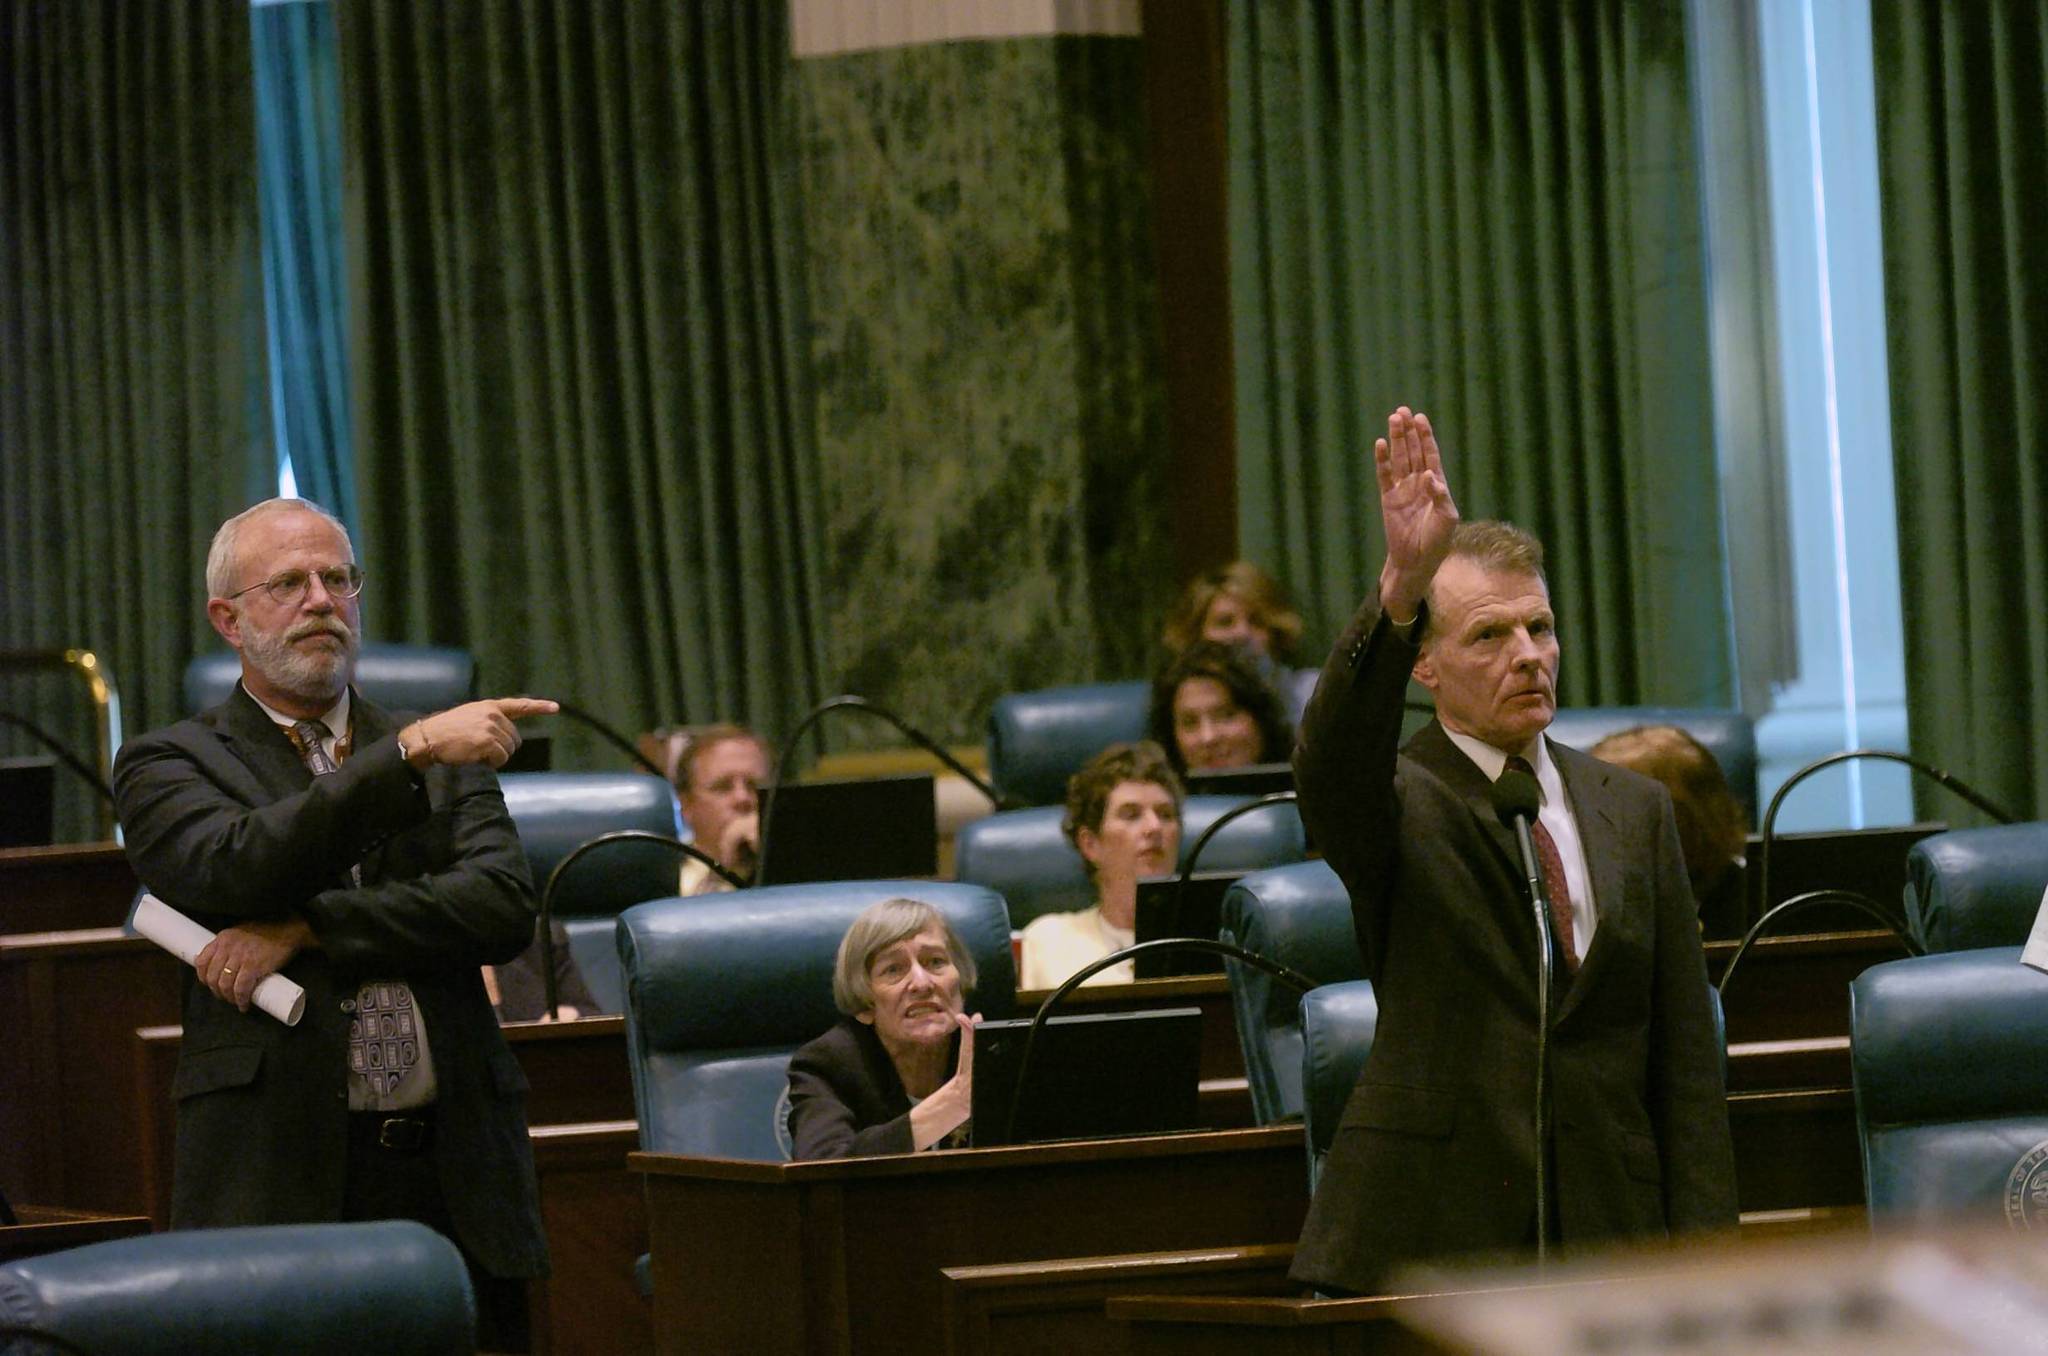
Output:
(583, 438)
(130, 342)
(1962, 118)
(298, 134)
(1488, 211)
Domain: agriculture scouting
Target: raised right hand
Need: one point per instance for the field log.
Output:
(477, 732)
(1416, 508)
(940, 1114)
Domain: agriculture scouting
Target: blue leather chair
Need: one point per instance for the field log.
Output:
(557, 812)
(313, 1289)
(1338, 1022)
(1036, 740)
(1729, 735)
(1022, 855)
(396, 677)
(721, 989)
(1973, 888)
(1950, 1059)
(1300, 916)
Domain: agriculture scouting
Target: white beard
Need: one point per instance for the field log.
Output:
(310, 675)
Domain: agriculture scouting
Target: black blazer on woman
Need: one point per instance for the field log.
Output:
(1435, 1153)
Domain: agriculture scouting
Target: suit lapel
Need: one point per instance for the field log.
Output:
(1587, 787)
(1432, 748)
(256, 742)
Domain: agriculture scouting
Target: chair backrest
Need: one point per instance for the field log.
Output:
(1337, 1026)
(1729, 735)
(396, 677)
(1038, 739)
(721, 989)
(1950, 1059)
(1023, 855)
(1299, 915)
(557, 812)
(321, 1289)
(1972, 888)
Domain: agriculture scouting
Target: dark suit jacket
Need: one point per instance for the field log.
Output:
(1435, 1153)
(845, 1099)
(224, 822)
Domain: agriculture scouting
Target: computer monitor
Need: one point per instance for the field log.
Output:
(1256, 779)
(1093, 1075)
(28, 801)
(1871, 862)
(1167, 909)
(861, 828)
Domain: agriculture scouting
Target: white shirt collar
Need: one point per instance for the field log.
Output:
(335, 719)
(1493, 762)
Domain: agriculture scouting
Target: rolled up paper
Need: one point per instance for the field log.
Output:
(2035, 952)
(185, 939)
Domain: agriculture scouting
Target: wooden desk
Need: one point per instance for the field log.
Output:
(849, 1254)
(69, 1119)
(1796, 987)
(61, 888)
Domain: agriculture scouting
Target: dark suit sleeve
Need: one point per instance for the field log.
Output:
(1687, 1099)
(1344, 767)
(830, 1101)
(451, 885)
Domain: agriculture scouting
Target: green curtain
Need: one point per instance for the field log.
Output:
(1962, 126)
(583, 434)
(298, 134)
(130, 343)
(1488, 211)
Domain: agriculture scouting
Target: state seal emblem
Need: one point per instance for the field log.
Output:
(2026, 1190)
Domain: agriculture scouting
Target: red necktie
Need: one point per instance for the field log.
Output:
(1555, 886)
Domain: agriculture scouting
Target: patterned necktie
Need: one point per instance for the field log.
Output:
(1555, 886)
(383, 1034)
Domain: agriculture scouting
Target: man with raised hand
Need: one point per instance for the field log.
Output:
(1436, 1151)
(370, 859)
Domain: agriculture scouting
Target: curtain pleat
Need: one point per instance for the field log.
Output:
(131, 366)
(1487, 211)
(298, 136)
(575, 263)
(1962, 114)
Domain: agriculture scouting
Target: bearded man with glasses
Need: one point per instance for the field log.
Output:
(369, 857)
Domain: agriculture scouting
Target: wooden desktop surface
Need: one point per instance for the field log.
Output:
(848, 1254)
(65, 886)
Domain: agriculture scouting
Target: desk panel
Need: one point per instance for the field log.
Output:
(853, 1249)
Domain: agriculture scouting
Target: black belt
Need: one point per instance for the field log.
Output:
(398, 1134)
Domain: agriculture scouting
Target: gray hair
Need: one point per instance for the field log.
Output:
(879, 927)
(220, 558)
(1500, 547)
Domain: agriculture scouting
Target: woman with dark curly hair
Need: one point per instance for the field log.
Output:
(1212, 709)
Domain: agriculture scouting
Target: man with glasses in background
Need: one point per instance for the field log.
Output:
(370, 859)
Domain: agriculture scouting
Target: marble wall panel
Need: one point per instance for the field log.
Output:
(985, 357)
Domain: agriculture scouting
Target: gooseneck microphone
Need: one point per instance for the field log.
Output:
(1515, 799)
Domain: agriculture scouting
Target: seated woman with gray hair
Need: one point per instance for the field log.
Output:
(896, 1075)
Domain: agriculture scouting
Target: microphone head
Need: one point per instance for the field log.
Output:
(1514, 796)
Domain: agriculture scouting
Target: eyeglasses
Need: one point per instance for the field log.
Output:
(288, 587)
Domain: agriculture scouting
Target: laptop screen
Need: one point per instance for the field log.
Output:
(862, 828)
(1166, 908)
(1093, 1075)
(28, 801)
